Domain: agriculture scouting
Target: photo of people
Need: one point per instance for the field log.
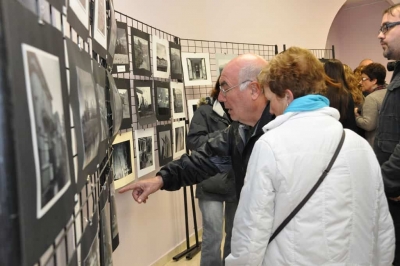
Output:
(90, 119)
(47, 125)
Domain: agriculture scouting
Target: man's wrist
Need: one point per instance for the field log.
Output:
(160, 181)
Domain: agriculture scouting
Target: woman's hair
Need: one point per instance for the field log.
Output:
(354, 86)
(375, 71)
(335, 70)
(215, 91)
(296, 69)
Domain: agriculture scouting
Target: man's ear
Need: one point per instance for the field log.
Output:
(256, 90)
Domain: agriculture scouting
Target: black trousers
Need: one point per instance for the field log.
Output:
(394, 208)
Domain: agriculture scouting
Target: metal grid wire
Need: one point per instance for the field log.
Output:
(225, 48)
(323, 54)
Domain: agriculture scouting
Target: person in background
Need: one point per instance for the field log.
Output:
(216, 195)
(354, 86)
(338, 93)
(372, 82)
(387, 138)
(365, 62)
(346, 221)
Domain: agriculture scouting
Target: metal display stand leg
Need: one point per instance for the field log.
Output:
(190, 251)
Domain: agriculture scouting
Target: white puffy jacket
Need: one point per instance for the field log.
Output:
(346, 221)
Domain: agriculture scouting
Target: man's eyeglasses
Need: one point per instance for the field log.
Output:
(364, 79)
(387, 26)
(225, 91)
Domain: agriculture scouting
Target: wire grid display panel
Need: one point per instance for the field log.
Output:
(216, 47)
(67, 243)
(323, 53)
(131, 22)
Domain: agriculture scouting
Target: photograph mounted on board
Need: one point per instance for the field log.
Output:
(46, 111)
(178, 100)
(78, 17)
(144, 101)
(123, 86)
(140, 52)
(121, 55)
(192, 107)
(221, 61)
(100, 28)
(123, 159)
(161, 65)
(196, 69)
(163, 106)
(112, 34)
(116, 104)
(164, 141)
(179, 136)
(144, 144)
(176, 61)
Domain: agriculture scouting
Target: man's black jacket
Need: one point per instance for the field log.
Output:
(193, 169)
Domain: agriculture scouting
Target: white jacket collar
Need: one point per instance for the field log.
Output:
(280, 119)
(217, 107)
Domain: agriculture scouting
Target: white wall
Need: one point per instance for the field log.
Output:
(148, 231)
(354, 33)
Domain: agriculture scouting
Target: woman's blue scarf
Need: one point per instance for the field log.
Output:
(307, 103)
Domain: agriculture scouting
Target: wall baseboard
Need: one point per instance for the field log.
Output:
(173, 252)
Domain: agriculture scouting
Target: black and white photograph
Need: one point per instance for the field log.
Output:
(112, 34)
(121, 55)
(196, 69)
(93, 258)
(123, 86)
(179, 135)
(113, 212)
(144, 142)
(78, 17)
(144, 102)
(89, 115)
(164, 141)
(221, 61)
(176, 61)
(43, 89)
(103, 112)
(141, 52)
(161, 65)
(178, 100)
(100, 28)
(163, 106)
(192, 107)
(123, 163)
(116, 104)
(106, 240)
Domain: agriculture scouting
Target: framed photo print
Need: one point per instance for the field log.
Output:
(179, 135)
(221, 60)
(85, 111)
(123, 163)
(161, 66)
(176, 61)
(39, 103)
(192, 107)
(144, 143)
(121, 55)
(99, 74)
(178, 100)
(144, 101)
(196, 69)
(99, 28)
(140, 52)
(164, 141)
(116, 105)
(163, 106)
(112, 34)
(78, 17)
(123, 86)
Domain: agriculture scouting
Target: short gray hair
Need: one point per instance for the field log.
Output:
(249, 73)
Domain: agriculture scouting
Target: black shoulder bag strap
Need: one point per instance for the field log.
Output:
(315, 187)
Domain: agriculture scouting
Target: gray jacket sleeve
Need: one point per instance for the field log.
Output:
(391, 173)
(193, 169)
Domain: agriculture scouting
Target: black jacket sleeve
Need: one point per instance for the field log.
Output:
(193, 169)
(391, 173)
(200, 130)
